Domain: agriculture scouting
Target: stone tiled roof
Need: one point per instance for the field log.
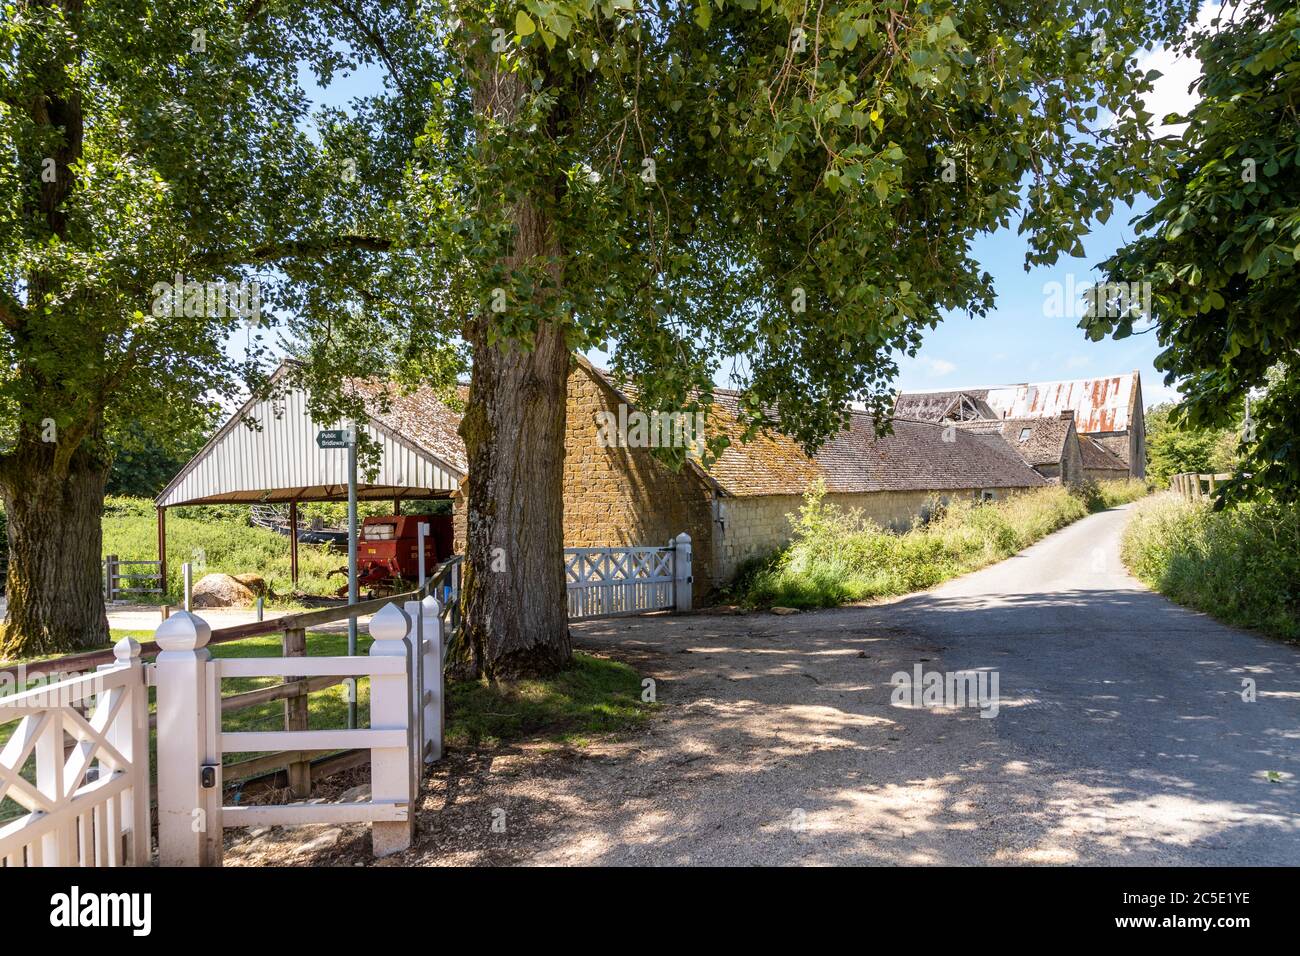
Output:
(919, 456)
(1039, 441)
(1097, 456)
(916, 456)
(419, 416)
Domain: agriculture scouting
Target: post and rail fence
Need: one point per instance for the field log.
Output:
(121, 579)
(78, 761)
(1196, 487)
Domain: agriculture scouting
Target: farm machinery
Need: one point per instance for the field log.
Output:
(388, 552)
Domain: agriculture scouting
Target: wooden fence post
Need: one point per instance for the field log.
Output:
(189, 814)
(129, 735)
(432, 663)
(110, 569)
(293, 642)
(390, 767)
(682, 578)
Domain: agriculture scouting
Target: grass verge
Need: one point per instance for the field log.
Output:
(595, 696)
(1242, 564)
(836, 556)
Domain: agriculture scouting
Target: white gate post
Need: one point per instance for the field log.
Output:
(390, 709)
(189, 814)
(415, 671)
(682, 578)
(129, 735)
(431, 661)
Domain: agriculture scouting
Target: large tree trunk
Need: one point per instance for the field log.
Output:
(516, 609)
(56, 605)
(516, 614)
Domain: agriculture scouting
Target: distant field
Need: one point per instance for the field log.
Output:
(219, 538)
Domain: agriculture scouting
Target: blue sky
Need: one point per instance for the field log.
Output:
(1022, 339)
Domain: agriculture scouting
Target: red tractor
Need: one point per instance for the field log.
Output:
(388, 551)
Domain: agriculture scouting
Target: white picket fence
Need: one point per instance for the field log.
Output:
(78, 760)
(611, 582)
(88, 800)
(405, 732)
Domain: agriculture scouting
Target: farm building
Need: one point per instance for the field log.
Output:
(1050, 446)
(614, 495)
(1108, 410)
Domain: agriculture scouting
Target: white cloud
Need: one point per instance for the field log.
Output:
(936, 367)
(1170, 93)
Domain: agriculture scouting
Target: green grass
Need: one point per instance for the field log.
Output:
(216, 540)
(1241, 565)
(595, 696)
(837, 557)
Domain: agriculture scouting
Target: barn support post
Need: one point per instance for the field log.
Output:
(293, 542)
(162, 548)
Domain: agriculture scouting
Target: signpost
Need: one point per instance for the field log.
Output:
(347, 438)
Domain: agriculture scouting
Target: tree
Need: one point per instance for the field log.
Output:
(157, 159)
(145, 460)
(1174, 447)
(789, 187)
(1220, 248)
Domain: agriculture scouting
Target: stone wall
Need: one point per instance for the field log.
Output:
(622, 496)
(754, 527)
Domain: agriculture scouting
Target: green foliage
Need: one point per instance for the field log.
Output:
(145, 460)
(216, 539)
(1174, 446)
(1241, 564)
(1099, 495)
(758, 179)
(837, 556)
(595, 696)
(1221, 246)
(142, 141)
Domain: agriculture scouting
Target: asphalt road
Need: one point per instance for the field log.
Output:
(1121, 735)
(1120, 738)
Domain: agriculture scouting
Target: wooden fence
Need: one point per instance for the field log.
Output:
(1194, 486)
(191, 813)
(125, 578)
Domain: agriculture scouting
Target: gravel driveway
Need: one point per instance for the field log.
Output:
(1121, 737)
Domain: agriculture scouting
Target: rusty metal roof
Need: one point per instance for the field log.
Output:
(1099, 404)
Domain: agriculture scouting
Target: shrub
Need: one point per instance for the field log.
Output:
(1241, 564)
(837, 556)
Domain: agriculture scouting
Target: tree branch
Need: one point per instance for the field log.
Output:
(296, 249)
(12, 312)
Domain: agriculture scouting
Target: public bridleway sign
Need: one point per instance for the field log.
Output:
(335, 437)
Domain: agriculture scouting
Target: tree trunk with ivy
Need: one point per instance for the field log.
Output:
(515, 605)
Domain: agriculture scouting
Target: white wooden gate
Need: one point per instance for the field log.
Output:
(87, 791)
(191, 817)
(610, 582)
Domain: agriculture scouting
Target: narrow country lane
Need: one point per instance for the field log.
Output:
(1121, 737)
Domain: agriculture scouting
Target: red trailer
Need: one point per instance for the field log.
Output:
(388, 550)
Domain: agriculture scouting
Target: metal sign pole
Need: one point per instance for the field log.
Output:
(352, 570)
(421, 530)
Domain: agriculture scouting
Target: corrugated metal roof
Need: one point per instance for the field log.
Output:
(1099, 404)
(278, 460)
